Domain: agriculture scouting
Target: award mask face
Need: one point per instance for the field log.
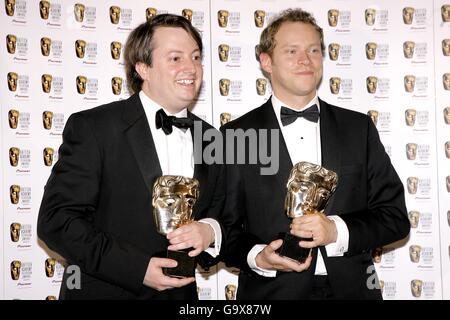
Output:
(173, 200)
(50, 267)
(15, 269)
(308, 189)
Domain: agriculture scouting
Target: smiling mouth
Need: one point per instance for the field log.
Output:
(185, 82)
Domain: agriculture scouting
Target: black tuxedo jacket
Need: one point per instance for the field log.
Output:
(369, 198)
(97, 205)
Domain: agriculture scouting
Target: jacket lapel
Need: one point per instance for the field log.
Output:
(139, 136)
(269, 121)
(201, 171)
(329, 138)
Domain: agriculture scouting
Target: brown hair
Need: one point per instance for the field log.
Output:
(267, 40)
(139, 46)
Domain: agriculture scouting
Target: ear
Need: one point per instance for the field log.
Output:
(266, 62)
(142, 69)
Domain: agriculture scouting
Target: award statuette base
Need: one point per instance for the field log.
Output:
(185, 267)
(291, 249)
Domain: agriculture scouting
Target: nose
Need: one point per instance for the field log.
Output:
(189, 66)
(303, 57)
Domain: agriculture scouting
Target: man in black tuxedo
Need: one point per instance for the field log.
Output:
(97, 205)
(367, 209)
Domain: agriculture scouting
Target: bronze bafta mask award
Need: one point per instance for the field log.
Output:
(173, 199)
(309, 188)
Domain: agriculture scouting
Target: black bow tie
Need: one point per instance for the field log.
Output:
(288, 116)
(166, 122)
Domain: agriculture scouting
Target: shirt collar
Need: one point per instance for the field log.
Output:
(151, 107)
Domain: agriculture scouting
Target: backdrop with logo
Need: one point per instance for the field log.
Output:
(389, 59)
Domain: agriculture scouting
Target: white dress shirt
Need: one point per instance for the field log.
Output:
(176, 155)
(302, 139)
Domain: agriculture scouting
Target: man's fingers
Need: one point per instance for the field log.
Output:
(308, 244)
(286, 264)
(299, 267)
(178, 232)
(274, 245)
(179, 246)
(177, 282)
(165, 262)
(194, 253)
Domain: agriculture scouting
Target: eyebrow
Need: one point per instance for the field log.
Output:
(180, 51)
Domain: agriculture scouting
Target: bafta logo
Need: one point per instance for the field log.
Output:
(224, 51)
(78, 11)
(410, 117)
(309, 188)
(15, 269)
(408, 49)
(222, 18)
(116, 85)
(13, 118)
(416, 288)
(409, 82)
(44, 8)
(50, 267)
(411, 184)
(12, 81)
(48, 156)
(447, 115)
(14, 193)
(411, 151)
(447, 149)
(414, 217)
(10, 6)
(80, 48)
(259, 17)
(446, 47)
(335, 85)
(446, 81)
(377, 254)
(371, 50)
(81, 84)
(116, 48)
(14, 156)
(333, 16)
(373, 114)
(414, 253)
(50, 298)
(445, 13)
(11, 41)
(230, 292)
(46, 44)
(46, 81)
(369, 15)
(371, 84)
(114, 14)
(14, 231)
(261, 85)
(225, 117)
(187, 13)
(408, 15)
(150, 13)
(173, 200)
(333, 51)
(224, 86)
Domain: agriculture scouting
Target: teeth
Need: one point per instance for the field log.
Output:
(185, 81)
